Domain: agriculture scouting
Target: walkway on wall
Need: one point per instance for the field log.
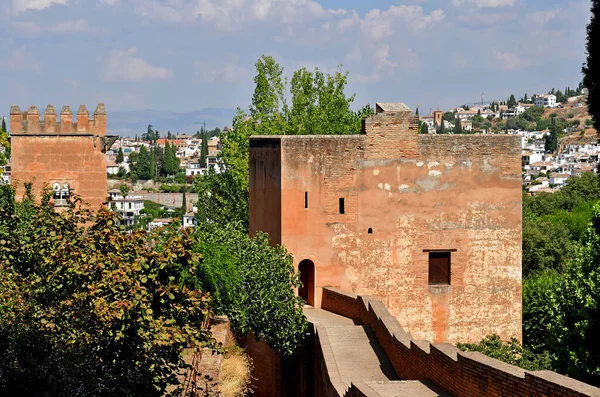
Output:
(360, 360)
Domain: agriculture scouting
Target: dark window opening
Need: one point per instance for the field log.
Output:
(342, 209)
(439, 268)
(370, 231)
(305, 199)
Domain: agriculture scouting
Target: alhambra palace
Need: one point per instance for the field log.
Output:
(406, 244)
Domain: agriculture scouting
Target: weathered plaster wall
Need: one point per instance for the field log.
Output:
(459, 192)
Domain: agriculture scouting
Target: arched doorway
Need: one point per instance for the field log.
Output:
(306, 268)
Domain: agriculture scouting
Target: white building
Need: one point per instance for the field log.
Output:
(559, 180)
(195, 169)
(159, 222)
(189, 220)
(129, 207)
(548, 101)
(5, 175)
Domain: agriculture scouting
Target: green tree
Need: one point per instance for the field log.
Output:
(538, 290)
(512, 102)
(170, 164)
(591, 67)
(3, 125)
(4, 148)
(457, 126)
(142, 166)
(511, 352)
(449, 116)
(204, 148)
(424, 128)
(91, 311)
(120, 156)
(124, 188)
(151, 165)
(320, 105)
(575, 311)
(442, 129)
(242, 268)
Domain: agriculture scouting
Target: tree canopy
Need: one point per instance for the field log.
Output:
(591, 67)
(90, 310)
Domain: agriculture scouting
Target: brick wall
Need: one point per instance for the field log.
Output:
(403, 194)
(461, 373)
(49, 151)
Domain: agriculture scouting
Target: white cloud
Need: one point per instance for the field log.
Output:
(110, 2)
(233, 15)
(381, 25)
(127, 65)
(486, 3)
(543, 17)
(509, 61)
(348, 23)
(19, 59)
(74, 84)
(24, 5)
(227, 72)
(79, 25)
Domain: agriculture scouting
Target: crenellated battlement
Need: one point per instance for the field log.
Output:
(29, 122)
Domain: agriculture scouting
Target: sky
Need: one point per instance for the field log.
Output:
(183, 55)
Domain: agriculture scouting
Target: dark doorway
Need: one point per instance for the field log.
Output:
(306, 268)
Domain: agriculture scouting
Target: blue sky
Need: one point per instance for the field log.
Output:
(181, 55)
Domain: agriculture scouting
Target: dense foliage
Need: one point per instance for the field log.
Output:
(511, 352)
(251, 283)
(90, 310)
(561, 270)
(4, 146)
(591, 68)
(574, 306)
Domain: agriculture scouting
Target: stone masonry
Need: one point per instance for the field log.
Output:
(372, 213)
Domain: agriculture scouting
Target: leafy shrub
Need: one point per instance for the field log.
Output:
(511, 352)
(90, 310)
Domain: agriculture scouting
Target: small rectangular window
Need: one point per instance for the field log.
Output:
(342, 208)
(305, 199)
(439, 268)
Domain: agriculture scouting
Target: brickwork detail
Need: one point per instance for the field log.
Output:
(460, 373)
(46, 152)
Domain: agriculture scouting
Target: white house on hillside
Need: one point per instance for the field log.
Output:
(548, 101)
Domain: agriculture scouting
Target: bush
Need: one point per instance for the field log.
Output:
(92, 311)
(511, 352)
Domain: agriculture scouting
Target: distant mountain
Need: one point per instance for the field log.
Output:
(136, 122)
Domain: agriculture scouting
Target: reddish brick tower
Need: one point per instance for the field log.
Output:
(430, 224)
(68, 156)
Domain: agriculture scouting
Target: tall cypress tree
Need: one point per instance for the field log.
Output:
(152, 165)
(203, 148)
(457, 126)
(120, 156)
(3, 124)
(591, 68)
